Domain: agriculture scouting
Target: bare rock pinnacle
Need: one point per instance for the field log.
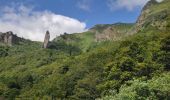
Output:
(46, 39)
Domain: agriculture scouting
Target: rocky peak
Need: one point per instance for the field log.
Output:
(150, 3)
(145, 11)
(46, 39)
(151, 17)
(9, 38)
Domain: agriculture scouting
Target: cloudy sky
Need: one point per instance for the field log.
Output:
(31, 18)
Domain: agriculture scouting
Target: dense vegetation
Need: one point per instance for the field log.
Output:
(75, 67)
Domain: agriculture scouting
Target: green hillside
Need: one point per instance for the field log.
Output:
(119, 26)
(124, 66)
(88, 39)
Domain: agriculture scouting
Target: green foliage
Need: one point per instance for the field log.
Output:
(38, 73)
(165, 57)
(139, 89)
(3, 51)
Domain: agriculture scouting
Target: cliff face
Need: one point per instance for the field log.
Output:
(9, 38)
(108, 34)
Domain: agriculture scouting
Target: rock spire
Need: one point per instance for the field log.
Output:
(46, 39)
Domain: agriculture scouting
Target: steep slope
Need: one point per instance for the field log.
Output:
(154, 15)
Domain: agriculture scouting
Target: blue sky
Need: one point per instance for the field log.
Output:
(96, 11)
(87, 13)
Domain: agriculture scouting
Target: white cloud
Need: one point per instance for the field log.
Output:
(130, 5)
(30, 24)
(84, 5)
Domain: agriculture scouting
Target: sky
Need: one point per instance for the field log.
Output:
(32, 18)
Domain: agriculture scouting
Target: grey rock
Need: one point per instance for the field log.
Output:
(46, 39)
(9, 38)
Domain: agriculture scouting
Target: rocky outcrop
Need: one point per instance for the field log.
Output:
(110, 32)
(46, 40)
(107, 34)
(9, 38)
